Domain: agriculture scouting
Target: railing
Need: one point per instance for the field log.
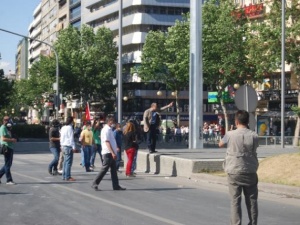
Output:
(181, 140)
(276, 140)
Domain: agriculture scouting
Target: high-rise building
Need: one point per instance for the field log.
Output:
(139, 17)
(22, 60)
(35, 30)
(75, 13)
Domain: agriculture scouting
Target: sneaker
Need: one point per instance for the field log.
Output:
(71, 179)
(130, 175)
(10, 183)
(59, 172)
(95, 188)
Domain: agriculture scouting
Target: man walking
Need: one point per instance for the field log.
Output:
(109, 153)
(68, 146)
(151, 121)
(86, 139)
(241, 165)
(7, 141)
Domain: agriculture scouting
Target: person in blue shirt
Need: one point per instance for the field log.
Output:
(118, 136)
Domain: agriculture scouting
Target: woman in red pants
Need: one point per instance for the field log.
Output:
(129, 136)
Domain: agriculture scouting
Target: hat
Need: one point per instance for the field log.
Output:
(55, 123)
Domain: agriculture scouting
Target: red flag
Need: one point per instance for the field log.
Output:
(87, 112)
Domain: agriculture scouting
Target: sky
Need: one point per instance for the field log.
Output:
(15, 16)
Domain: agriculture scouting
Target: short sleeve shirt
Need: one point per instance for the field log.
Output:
(4, 133)
(87, 137)
(108, 135)
(241, 156)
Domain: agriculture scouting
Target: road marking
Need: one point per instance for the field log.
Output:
(134, 210)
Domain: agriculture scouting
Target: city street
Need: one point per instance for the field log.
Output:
(41, 199)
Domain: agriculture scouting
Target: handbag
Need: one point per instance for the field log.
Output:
(4, 149)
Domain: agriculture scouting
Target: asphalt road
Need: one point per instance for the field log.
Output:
(41, 199)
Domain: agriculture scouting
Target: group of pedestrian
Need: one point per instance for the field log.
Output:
(240, 164)
(106, 140)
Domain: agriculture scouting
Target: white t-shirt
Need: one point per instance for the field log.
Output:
(108, 135)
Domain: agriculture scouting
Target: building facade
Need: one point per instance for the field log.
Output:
(139, 17)
(22, 60)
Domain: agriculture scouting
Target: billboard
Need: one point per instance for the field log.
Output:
(213, 97)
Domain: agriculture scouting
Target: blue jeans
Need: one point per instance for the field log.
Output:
(119, 159)
(8, 159)
(82, 157)
(53, 164)
(96, 148)
(87, 151)
(68, 161)
(133, 168)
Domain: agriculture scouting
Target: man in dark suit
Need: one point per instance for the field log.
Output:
(152, 120)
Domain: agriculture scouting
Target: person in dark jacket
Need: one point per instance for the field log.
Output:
(54, 145)
(118, 136)
(130, 146)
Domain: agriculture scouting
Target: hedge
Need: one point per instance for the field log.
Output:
(29, 131)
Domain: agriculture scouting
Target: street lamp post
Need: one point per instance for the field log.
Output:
(56, 58)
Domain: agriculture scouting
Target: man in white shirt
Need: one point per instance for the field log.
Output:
(68, 147)
(109, 153)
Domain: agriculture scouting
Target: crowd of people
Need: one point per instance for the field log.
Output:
(240, 164)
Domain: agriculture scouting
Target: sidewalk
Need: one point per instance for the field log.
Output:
(192, 163)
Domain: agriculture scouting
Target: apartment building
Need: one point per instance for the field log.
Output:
(139, 17)
(22, 60)
(49, 17)
(75, 13)
(35, 30)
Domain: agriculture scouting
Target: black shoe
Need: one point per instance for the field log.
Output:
(152, 152)
(55, 173)
(95, 188)
(119, 189)
(50, 172)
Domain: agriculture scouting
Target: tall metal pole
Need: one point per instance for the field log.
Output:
(120, 79)
(282, 70)
(56, 58)
(196, 77)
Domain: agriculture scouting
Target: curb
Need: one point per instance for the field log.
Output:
(278, 189)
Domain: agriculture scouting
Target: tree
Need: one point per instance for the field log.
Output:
(266, 46)
(165, 58)
(5, 90)
(225, 60)
(87, 62)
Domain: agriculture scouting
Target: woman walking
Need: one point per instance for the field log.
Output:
(130, 146)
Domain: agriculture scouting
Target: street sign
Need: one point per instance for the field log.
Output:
(246, 98)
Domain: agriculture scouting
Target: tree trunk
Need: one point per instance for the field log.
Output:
(225, 114)
(177, 108)
(297, 129)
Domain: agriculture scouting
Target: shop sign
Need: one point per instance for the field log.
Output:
(250, 11)
(276, 106)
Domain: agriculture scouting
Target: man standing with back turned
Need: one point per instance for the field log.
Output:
(151, 121)
(241, 165)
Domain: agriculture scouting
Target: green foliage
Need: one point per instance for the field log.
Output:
(86, 67)
(6, 88)
(225, 60)
(165, 56)
(87, 61)
(30, 131)
(296, 110)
